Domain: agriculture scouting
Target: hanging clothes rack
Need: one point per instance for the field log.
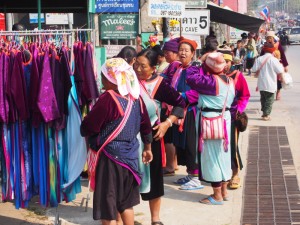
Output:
(72, 35)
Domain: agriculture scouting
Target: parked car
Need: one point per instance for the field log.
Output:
(286, 29)
(294, 35)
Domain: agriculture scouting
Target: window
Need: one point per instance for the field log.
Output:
(295, 31)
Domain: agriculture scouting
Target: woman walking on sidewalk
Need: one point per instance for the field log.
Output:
(270, 38)
(270, 69)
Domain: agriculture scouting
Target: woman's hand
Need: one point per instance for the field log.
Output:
(147, 156)
(163, 127)
(161, 130)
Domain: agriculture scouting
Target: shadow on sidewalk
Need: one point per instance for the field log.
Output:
(13, 221)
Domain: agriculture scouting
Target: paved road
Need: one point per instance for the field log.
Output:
(182, 207)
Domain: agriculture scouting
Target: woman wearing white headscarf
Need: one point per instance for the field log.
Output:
(114, 122)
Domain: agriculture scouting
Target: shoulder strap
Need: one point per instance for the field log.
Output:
(120, 127)
(224, 106)
(264, 62)
(143, 89)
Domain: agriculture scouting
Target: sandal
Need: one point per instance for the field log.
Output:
(211, 201)
(235, 183)
(157, 223)
(169, 173)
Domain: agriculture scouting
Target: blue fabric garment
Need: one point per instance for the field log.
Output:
(27, 151)
(76, 149)
(124, 148)
(215, 165)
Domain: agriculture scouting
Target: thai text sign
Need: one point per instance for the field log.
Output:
(113, 50)
(59, 18)
(108, 6)
(166, 9)
(194, 3)
(119, 26)
(194, 22)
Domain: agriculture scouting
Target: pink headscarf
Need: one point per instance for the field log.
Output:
(120, 73)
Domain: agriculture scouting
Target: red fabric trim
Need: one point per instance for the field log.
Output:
(112, 93)
(156, 86)
(217, 84)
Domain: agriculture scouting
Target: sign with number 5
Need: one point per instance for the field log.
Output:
(194, 22)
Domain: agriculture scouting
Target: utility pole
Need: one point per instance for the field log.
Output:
(39, 7)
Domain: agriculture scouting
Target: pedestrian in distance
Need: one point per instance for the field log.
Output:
(268, 69)
(129, 54)
(251, 52)
(271, 38)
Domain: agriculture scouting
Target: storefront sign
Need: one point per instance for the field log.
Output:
(108, 6)
(58, 18)
(169, 9)
(113, 50)
(2, 21)
(194, 22)
(33, 18)
(119, 26)
(194, 3)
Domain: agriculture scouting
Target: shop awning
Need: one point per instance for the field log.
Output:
(234, 19)
(47, 6)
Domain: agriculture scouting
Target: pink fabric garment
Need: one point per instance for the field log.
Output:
(4, 106)
(241, 87)
(46, 98)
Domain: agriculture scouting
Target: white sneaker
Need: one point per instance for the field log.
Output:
(183, 180)
(193, 184)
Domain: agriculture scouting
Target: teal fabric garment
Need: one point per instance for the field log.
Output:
(144, 169)
(154, 109)
(215, 164)
(77, 152)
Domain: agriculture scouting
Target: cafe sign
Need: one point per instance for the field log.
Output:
(119, 26)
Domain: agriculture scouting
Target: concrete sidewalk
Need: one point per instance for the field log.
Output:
(178, 207)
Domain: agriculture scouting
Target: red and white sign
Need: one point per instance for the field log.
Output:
(2, 21)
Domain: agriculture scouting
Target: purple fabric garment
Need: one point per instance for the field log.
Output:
(192, 96)
(34, 88)
(106, 110)
(46, 98)
(168, 73)
(90, 73)
(62, 86)
(199, 81)
(18, 88)
(4, 106)
(11, 113)
(166, 93)
(79, 73)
